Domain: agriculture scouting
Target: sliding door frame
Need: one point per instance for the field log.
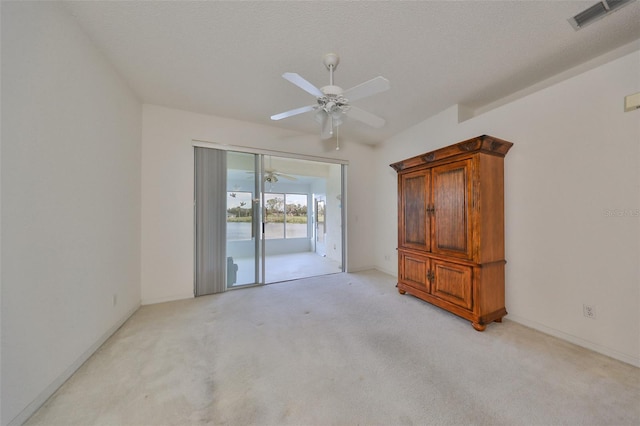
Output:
(260, 185)
(239, 148)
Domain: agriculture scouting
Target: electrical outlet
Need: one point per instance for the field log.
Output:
(589, 311)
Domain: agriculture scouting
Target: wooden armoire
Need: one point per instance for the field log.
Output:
(451, 228)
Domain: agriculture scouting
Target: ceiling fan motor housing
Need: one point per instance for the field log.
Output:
(331, 90)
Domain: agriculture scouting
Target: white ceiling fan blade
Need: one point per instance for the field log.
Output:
(368, 88)
(326, 126)
(292, 112)
(303, 84)
(366, 117)
(282, 175)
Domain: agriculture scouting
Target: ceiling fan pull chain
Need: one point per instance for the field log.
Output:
(337, 139)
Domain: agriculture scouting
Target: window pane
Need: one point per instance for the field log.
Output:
(321, 222)
(274, 216)
(296, 209)
(239, 216)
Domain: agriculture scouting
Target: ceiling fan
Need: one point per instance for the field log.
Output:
(271, 175)
(333, 103)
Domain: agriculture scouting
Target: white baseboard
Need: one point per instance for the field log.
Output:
(155, 300)
(384, 271)
(576, 340)
(360, 269)
(53, 386)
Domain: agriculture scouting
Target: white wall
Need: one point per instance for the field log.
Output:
(574, 163)
(333, 242)
(167, 190)
(70, 202)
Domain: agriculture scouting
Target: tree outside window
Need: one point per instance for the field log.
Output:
(239, 215)
(285, 216)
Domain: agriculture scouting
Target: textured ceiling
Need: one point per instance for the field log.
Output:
(227, 58)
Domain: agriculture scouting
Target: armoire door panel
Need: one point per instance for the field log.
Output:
(453, 283)
(414, 271)
(451, 197)
(415, 227)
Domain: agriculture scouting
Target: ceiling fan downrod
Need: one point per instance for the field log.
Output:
(333, 102)
(331, 61)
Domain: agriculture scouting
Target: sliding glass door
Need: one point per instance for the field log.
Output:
(243, 219)
(274, 219)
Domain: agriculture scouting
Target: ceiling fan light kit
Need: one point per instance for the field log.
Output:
(332, 103)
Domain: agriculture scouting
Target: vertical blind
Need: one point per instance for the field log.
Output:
(210, 220)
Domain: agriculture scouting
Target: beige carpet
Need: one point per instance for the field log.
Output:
(342, 349)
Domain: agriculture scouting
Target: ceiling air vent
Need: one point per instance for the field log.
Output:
(595, 12)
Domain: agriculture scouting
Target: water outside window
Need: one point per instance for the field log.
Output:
(296, 216)
(239, 216)
(286, 216)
